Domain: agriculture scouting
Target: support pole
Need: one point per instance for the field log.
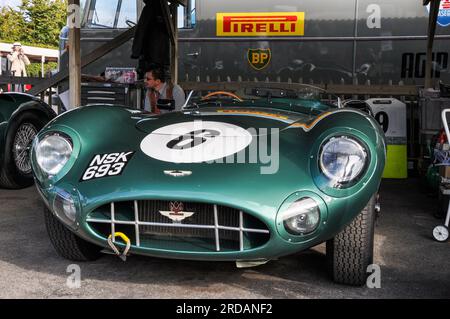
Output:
(74, 53)
(170, 18)
(174, 47)
(42, 65)
(434, 10)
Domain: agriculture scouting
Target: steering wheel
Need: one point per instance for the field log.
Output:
(210, 95)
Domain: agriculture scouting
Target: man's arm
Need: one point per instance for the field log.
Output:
(12, 56)
(25, 59)
(179, 97)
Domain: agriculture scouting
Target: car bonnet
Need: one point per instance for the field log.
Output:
(257, 121)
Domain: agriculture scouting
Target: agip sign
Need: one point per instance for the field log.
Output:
(271, 24)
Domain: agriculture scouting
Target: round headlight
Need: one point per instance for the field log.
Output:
(52, 153)
(342, 159)
(302, 217)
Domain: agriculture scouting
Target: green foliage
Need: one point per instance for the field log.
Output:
(35, 68)
(35, 22)
(11, 25)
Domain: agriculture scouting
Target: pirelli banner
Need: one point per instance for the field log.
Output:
(272, 24)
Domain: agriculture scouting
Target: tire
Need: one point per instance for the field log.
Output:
(351, 251)
(66, 243)
(12, 174)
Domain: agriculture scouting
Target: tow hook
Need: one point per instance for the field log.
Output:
(111, 240)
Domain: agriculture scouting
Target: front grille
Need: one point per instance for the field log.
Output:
(210, 228)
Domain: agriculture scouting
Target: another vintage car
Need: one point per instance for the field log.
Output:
(22, 116)
(248, 176)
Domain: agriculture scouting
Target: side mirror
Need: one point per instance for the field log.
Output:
(165, 104)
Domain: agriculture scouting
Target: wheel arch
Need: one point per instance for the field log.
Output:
(35, 107)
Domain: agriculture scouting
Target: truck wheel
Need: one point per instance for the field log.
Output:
(16, 170)
(351, 251)
(66, 243)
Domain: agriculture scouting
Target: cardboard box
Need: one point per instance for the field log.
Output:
(444, 171)
(121, 75)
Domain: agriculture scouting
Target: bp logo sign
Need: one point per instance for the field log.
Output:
(259, 58)
(444, 13)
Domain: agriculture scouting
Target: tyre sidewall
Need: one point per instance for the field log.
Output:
(66, 243)
(371, 233)
(359, 270)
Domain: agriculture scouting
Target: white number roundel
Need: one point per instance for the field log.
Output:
(195, 142)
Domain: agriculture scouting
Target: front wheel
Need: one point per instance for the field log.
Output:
(16, 169)
(351, 251)
(66, 243)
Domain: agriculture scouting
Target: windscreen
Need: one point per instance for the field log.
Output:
(300, 98)
(112, 14)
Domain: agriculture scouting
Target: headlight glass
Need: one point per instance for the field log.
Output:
(53, 152)
(342, 159)
(302, 217)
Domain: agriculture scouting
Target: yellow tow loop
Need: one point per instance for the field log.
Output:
(124, 237)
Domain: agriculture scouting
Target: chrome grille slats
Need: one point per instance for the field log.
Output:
(218, 227)
(149, 212)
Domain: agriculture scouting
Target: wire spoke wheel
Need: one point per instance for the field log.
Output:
(22, 145)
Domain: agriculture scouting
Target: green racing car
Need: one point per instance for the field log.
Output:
(246, 176)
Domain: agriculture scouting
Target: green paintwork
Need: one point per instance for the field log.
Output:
(106, 129)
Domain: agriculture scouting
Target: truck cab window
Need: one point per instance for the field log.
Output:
(128, 12)
(112, 14)
(103, 13)
(82, 9)
(186, 16)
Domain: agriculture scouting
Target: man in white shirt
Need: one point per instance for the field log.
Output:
(155, 81)
(18, 60)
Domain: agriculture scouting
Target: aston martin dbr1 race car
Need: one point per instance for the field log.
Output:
(22, 116)
(247, 176)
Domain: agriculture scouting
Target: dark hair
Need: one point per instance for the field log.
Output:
(158, 74)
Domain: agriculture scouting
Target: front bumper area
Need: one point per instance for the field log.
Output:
(254, 235)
